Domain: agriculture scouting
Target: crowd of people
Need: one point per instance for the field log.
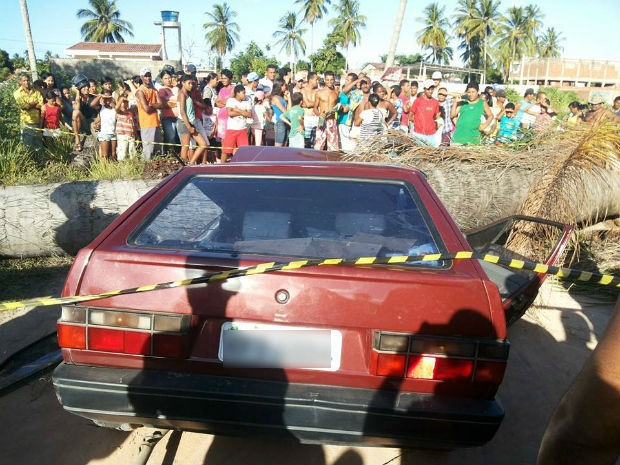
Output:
(206, 120)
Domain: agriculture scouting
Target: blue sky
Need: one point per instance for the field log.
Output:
(590, 29)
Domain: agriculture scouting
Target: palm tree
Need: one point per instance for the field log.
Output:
(289, 36)
(485, 22)
(515, 38)
(29, 43)
(434, 35)
(534, 18)
(221, 31)
(470, 43)
(348, 24)
(312, 11)
(549, 44)
(103, 23)
(398, 24)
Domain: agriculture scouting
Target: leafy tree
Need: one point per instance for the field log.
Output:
(549, 44)
(252, 59)
(348, 24)
(404, 60)
(103, 23)
(303, 64)
(515, 39)
(313, 10)
(6, 66)
(483, 23)
(328, 57)
(221, 32)
(434, 36)
(289, 36)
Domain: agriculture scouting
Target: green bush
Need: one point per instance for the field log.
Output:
(560, 99)
(110, 170)
(512, 95)
(9, 113)
(16, 162)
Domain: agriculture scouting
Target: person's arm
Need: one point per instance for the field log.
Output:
(392, 113)
(95, 102)
(455, 110)
(489, 116)
(276, 101)
(357, 116)
(317, 101)
(285, 119)
(585, 427)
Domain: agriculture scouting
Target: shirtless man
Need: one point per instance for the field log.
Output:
(311, 120)
(326, 99)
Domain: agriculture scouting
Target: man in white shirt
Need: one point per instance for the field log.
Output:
(267, 80)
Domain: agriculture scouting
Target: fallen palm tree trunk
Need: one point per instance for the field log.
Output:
(569, 176)
(61, 218)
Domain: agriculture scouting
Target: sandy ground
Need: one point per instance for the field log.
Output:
(549, 346)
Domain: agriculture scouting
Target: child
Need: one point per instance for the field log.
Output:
(186, 122)
(50, 115)
(294, 118)
(544, 120)
(126, 127)
(574, 117)
(107, 131)
(236, 130)
(261, 114)
(209, 123)
(508, 125)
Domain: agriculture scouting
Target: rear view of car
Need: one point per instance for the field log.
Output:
(404, 353)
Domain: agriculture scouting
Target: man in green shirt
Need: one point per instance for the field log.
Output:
(30, 102)
(469, 112)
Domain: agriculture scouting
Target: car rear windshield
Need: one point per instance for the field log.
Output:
(296, 217)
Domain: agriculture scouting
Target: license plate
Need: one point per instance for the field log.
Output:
(252, 345)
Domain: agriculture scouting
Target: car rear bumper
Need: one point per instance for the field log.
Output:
(303, 412)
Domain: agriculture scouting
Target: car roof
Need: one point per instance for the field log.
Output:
(253, 153)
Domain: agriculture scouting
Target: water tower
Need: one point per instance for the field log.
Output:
(169, 22)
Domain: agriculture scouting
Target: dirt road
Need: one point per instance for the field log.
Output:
(549, 346)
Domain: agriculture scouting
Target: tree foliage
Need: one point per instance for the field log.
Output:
(289, 36)
(252, 59)
(328, 57)
(103, 22)
(434, 36)
(348, 23)
(222, 32)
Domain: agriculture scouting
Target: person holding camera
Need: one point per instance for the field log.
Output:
(469, 110)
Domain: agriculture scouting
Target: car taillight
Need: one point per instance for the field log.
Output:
(138, 333)
(438, 358)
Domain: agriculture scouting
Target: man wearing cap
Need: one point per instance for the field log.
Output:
(250, 88)
(436, 77)
(148, 103)
(299, 83)
(424, 111)
(598, 112)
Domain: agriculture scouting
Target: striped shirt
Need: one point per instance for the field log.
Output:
(126, 123)
(372, 123)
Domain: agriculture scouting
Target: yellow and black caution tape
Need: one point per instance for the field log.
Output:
(561, 272)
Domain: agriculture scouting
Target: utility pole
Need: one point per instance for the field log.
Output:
(398, 24)
(28, 33)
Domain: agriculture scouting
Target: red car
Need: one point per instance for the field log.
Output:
(405, 354)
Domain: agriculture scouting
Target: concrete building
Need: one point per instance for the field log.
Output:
(564, 72)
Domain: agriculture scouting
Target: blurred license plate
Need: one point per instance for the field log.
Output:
(252, 345)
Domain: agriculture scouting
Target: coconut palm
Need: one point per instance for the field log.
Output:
(549, 44)
(103, 23)
(470, 43)
(313, 10)
(515, 38)
(348, 23)
(484, 23)
(534, 18)
(434, 35)
(29, 43)
(398, 24)
(289, 36)
(221, 32)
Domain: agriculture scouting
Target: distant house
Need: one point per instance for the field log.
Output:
(565, 72)
(115, 51)
(97, 59)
